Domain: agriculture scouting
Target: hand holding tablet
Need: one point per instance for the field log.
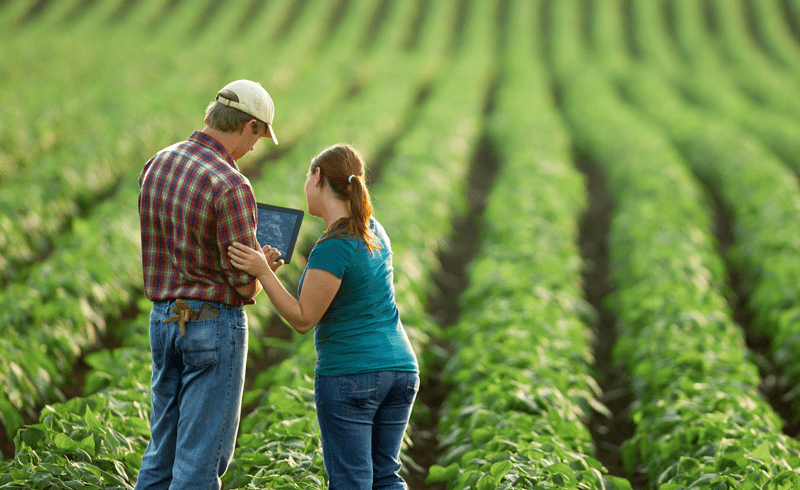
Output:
(278, 227)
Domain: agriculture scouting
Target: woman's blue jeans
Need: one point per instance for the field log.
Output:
(196, 391)
(362, 419)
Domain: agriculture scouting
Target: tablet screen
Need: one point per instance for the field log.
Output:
(278, 227)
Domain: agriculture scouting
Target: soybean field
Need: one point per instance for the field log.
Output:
(593, 204)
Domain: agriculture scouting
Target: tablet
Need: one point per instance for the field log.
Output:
(278, 227)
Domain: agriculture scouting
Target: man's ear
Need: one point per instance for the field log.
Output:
(252, 125)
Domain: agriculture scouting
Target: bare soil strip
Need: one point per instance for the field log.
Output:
(609, 433)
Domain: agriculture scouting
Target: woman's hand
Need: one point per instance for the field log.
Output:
(254, 261)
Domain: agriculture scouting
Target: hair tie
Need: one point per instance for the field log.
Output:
(350, 179)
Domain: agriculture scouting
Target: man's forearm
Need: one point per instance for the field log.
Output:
(249, 290)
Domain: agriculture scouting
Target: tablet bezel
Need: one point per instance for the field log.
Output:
(298, 213)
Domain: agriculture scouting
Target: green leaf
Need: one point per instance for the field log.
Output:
(559, 468)
(65, 443)
(617, 483)
(91, 418)
(629, 455)
(482, 435)
(438, 474)
(487, 483)
(762, 453)
(19, 475)
(41, 479)
(87, 444)
(500, 468)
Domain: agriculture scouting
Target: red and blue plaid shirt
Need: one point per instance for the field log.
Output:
(193, 203)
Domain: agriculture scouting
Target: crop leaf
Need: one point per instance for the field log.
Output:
(65, 443)
(487, 483)
(616, 483)
(500, 468)
(762, 453)
(438, 474)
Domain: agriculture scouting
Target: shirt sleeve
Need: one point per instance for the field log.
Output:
(236, 222)
(332, 255)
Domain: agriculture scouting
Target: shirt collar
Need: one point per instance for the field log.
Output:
(202, 138)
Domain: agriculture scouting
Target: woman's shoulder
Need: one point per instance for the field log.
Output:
(377, 229)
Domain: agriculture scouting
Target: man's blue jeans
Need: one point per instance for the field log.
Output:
(362, 419)
(196, 389)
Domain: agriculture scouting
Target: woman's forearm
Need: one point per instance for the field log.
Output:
(287, 305)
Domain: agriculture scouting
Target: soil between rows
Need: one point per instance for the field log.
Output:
(608, 433)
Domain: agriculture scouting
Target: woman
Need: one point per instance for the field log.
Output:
(366, 374)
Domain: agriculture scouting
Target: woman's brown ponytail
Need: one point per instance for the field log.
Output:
(343, 168)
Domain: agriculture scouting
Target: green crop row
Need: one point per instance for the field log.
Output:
(731, 50)
(85, 443)
(706, 84)
(522, 389)
(763, 220)
(700, 417)
(763, 199)
(696, 390)
(739, 46)
(776, 34)
(707, 142)
(66, 304)
(96, 441)
(760, 194)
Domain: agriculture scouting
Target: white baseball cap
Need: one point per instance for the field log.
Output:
(250, 98)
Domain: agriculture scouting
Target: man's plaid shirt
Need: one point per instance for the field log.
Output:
(193, 203)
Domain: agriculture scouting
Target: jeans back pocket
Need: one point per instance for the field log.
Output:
(358, 386)
(200, 346)
(412, 387)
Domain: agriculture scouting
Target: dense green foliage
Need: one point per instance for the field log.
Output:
(684, 108)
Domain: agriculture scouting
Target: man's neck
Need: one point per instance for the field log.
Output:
(227, 140)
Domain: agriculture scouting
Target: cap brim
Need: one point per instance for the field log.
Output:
(272, 133)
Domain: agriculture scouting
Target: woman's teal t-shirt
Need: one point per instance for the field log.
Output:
(361, 331)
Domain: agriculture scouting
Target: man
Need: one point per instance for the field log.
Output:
(193, 204)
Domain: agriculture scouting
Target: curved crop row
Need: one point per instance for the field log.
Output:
(516, 417)
(730, 49)
(712, 86)
(764, 202)
(760, 194)
(696, 391)
(776, 34)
